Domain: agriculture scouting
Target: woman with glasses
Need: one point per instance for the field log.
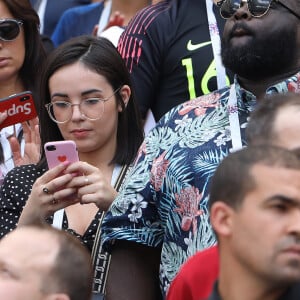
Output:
(21, 59)
(85, 97)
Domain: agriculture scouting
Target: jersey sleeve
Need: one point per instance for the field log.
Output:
(142, 45)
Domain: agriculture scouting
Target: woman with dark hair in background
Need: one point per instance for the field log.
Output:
(21, 59)
(86, 97)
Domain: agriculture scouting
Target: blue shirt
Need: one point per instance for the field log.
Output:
(77, 21)
(53, 11)
(163, 201)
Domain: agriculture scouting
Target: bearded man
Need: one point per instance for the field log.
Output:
(160, 217)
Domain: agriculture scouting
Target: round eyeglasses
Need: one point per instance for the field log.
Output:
(257, 8)
(9, 29)
(92, 109)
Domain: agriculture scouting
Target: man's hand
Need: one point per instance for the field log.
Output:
(116, 19)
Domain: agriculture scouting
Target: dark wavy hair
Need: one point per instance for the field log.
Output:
(35, 54)
(99, 55)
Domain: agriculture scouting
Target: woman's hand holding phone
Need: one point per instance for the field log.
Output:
(49, 193)
(92, 186)
(90, 183)
(67, 182)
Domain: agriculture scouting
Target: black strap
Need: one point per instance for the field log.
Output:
(101, 259)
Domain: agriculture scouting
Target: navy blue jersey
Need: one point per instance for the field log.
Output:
(168, 51)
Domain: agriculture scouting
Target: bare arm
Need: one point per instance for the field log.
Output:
(134, 272)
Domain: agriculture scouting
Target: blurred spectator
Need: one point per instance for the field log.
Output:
(83, 19)
(254, 210)
(49, 12)
(22, 58)
(40, 262)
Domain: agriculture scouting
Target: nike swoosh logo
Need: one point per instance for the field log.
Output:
(192, 47)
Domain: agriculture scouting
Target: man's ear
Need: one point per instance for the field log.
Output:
(221, 217)
(57, 296)
(125, 93)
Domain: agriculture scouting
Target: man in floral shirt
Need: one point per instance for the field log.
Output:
(160, 216)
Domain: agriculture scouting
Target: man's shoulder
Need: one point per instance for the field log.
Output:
(150, 17)
(196, 107)
(168, 13)
(202, 266)
(153, 10)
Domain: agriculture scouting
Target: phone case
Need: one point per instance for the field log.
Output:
(20, 108)
(60, 151)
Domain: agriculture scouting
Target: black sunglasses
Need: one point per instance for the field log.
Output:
(257, 8)
(9, 29)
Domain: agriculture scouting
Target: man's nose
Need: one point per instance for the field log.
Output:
(242, 12)
(294, 223)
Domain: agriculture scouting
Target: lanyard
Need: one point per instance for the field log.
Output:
(216, 44)
(104, 17)
(59, 214)
(234, 122)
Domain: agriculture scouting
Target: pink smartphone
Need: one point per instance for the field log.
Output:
(60, 151)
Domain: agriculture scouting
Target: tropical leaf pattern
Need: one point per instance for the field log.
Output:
(163, 201)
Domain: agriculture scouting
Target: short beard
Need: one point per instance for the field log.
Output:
(264, 57)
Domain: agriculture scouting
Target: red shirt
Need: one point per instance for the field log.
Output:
(196, 277)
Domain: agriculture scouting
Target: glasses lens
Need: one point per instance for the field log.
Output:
(92, 108)
(229, 7)
(61, 111)
(258, 8)
(9, 30)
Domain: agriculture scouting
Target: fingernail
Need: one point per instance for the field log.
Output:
(66, 163)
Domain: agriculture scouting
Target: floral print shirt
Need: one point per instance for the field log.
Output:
(163, 201)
